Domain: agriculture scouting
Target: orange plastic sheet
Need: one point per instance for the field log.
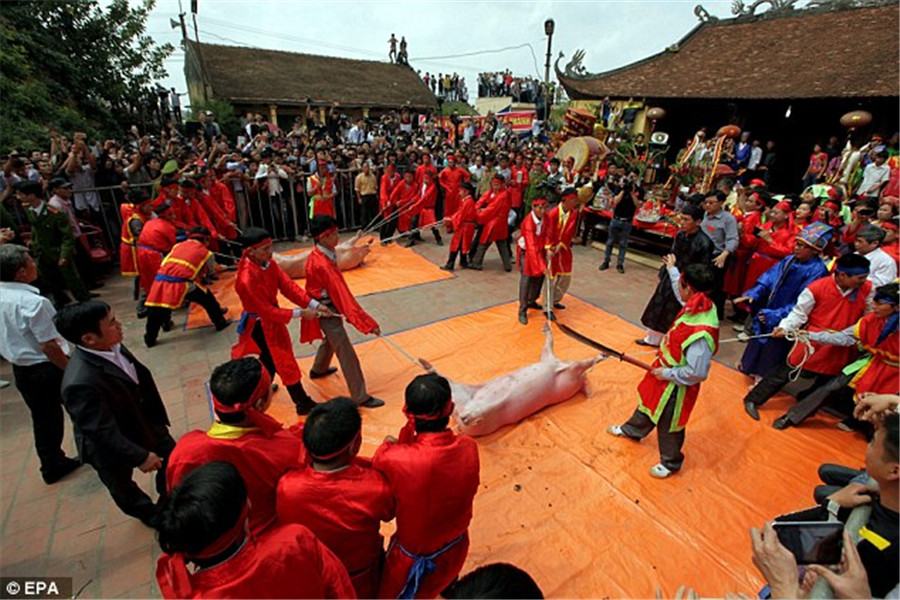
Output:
(576, 507)
(385, 268)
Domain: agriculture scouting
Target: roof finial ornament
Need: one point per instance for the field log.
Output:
(574, 68)
(739, 9)
(703, 14)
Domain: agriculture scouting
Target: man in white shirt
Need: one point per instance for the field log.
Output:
(875, 175)
(30, 342)
(883, 269)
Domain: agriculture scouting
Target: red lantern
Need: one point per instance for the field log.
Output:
(856, 118)
(731, 131)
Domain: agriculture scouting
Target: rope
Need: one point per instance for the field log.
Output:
(394, 215)
(402, 351)
(799, 337)
(413, 231)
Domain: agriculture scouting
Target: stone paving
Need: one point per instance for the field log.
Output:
(73, 529)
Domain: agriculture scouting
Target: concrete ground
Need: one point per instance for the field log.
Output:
(73, 529)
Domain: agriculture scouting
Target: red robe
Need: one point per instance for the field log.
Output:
(434, 479)
(128, 245)
(516, 187)
(184, 264)
(322, 275)
(530, 255)
(735, 282)
(260, 460)
(450, 180)
(697, 320)
(404, 198)
(184, 215)
(321, 193)
(222, 222)
(224, 199)
(156, 240)
(766, 255)
(345, 510)
(893, 249)
(832, 311)
(464, 221)
(494, 216)
(258, 289)
(388, 183)
(561, 231)
(285, 562)
(425, 205)
(879, 374)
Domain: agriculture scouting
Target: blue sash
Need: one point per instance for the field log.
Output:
(171, 278)
(244, 321)
(422, 566)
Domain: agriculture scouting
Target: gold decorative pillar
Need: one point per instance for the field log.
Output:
(273, 114)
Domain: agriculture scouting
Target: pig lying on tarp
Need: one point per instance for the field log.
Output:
(484, 408)
(350, 254)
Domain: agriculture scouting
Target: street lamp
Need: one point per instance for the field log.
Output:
(548, 29)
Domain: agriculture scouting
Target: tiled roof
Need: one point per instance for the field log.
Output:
(252, 75)
(804, 54)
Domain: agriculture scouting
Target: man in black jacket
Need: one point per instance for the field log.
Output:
(119, 417)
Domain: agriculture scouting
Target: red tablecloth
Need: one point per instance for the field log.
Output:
(662, 227)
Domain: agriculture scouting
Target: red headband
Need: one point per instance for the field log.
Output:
(336, 453)
(331, 229)
(268, 425)
(408, 433)
(784, 206)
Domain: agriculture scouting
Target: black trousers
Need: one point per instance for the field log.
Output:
(835, 389)
(717, 294)
(369, 208)
(40, 388)
(670, 443)
(117, 477)
(772, 383)
(529, 291)
(833, 477)
(157, 316)
(388, 228)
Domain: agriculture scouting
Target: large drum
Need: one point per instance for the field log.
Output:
(585, 150)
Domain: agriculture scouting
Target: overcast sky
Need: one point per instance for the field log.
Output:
(612, 32)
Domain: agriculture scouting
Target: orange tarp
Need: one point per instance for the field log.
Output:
(385, 268)
(576, 507)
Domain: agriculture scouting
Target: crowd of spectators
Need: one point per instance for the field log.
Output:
(447, 87)
(503, 83)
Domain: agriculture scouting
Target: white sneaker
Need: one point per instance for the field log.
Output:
(615, 430)
(739, 327)
(660, 471)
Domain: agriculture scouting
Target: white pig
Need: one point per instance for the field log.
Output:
(350, 254)
(484, 408)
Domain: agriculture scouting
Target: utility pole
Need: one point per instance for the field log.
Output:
(549, 25)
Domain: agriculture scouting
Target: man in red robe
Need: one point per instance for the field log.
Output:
(403, 199)
(134, 214)
(220, 194)
(463, 226)
(243, 435)
(830, 303)
(179, 279)
(389, 181)
(263, 326)
(169, 192)
(562, 224)
(493, 214)
(426, 167)
(338, 495)
(423, 211)
(321, 190)
(668, 391)
(531, 258)
(156, 239)
(450, 178)
(325, 284)
(518, 182)
(774, 241)
(203, 523)
(434, 475)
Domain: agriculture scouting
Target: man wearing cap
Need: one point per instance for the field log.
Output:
(883, 269)
(180, 279)
(156, 239)
(531, 258)
(263, 326)
(773, 296)
(463, 226)
(562, 224)
(137, 211)
(52, 245)
(829, 303)
(450, 179)
(325, 284)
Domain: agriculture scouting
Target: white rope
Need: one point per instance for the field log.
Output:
(799, 337)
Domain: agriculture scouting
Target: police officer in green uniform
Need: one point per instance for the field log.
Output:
(52, 245)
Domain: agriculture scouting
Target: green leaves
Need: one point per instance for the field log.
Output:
(74, 66)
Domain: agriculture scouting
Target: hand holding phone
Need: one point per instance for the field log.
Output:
(812, 542)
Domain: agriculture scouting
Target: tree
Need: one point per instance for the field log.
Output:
(75, 66)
